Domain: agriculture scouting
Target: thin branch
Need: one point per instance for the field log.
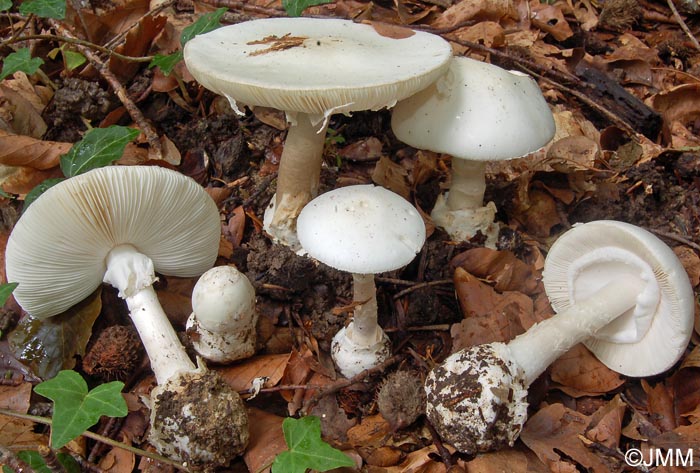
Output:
(119, 89)
(682, 24)
(421, 285)
(78, 41)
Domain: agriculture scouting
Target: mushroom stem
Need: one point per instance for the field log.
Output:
(366, 328)
(299, 173)
(132, 274)
(468, 184)
(544, 342)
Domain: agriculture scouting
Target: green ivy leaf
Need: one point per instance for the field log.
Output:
(38, 465)
(50, 345)
(6, 290)
(166, 63)
(306, 448)
(5, 5)
(296, 7)
(206, 23)
(44, 8)
(20, 60)
(99, 147)
(73, 59)
(75, 409)
(33, 194)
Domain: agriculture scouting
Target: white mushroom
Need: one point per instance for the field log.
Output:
(476, 113)
(311, 68)
(120, 225)
(616, 287)
(222, 324)
(363, 230)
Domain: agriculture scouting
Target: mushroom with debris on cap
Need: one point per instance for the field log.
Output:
(362, 229)
(222, 324)
(311, 68)
(120, 224)
(476, 113)
(615, 286)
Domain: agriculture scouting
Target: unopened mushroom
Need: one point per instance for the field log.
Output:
(476, 113)
(222, 324)
(363, 230)
(120, 225)
(311, 68)
(615, 286)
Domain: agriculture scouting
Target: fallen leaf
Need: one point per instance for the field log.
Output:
(266, 440)
(606, 423)
(660, 402)
(550, 19)
(392, 176)
(691, 262)
(240, 376)
(503, 267)
(465, 10)
(579, 373)
(367, 149)
(512, 460)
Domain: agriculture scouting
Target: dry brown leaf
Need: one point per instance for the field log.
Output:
(488, 315)
(573, 153)
(487, 33)
(392, 176)
(391, 31)
(266, 440)
(175, 298)
(137, 43)
(553, 433)
(691, 262)
(550, 19)
(366, 149)
(502, 267)
(537, 212)
(19, 150)
(371, 432)
(606, 423)
(465, 10)
(660, 402)
(39, 96)
(680, 104)
(419, 461)
(579, 373)
(240, 376)
(119, 460)
(383, 456)
(21, 114)
(233, 231)
(512, 460)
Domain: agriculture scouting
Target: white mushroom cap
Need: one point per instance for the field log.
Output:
(57, 250)
(315, 66)
(361, 229)
(652, 336)
(476, 111)
(223, 299)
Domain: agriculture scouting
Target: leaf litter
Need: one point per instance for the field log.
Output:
(632, 160)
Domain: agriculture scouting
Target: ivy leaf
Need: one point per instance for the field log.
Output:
(75, 409)
(20, 60)
(166, 63)
(73, 59)
(33, 194)
(206, 23)
(38, 465)
(296, 7)
(50, 345)
(306, 448)
(6, 290)
(44, 8)
(99, 147)
(5, 5)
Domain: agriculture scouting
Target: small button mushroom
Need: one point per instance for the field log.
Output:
(616, 287)
(476, 113)
(364, 230)
(222, 324)
(311, 68)
(119, 225)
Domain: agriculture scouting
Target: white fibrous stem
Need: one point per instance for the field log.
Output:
(365, 327)
(546, 341)
(298, 175)
(468, 184)
(132, 274)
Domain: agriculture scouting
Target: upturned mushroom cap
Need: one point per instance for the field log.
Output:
(652, 336)
(361, 229)
(315, 66)
(57, 250)
(476, 111)
(477, 399)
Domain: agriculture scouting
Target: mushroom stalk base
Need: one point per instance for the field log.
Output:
(132, 274)
(468, 184)
(546, 341)
(297, 178)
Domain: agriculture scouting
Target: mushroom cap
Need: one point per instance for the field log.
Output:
(361, 229)
(477, 398)
(652, 336)
(223, 299)
(476, 111)
(58, 248)
(315, 66)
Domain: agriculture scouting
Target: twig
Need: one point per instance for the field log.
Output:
(421, 285)
(344, 383)
(82, 42)
(9, 459)
(119, 89)
(675, 237)
(99, 438)
(682, 24)
(442, 451)
(50, 459)
(86, 465)
(245, 6)
(114, 42)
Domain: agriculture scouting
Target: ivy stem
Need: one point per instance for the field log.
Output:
(77, 41)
